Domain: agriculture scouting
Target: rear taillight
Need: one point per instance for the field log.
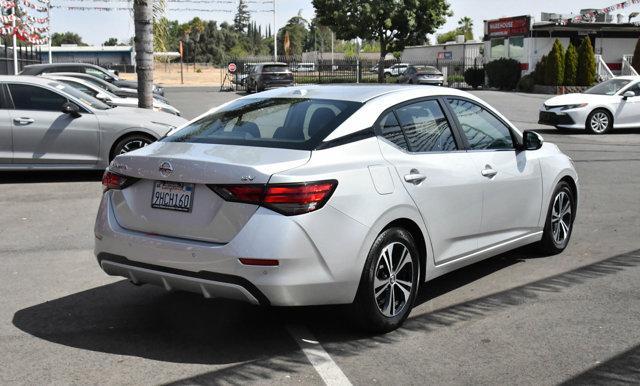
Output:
(288, 199)
(111, 180)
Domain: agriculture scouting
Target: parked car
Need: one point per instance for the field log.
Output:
(304, 67)
(333, 195)
(268, 75)
(98, 72)
(122, 92)
(50, 125)
(422, 75)
(612, 104)
(106, 96)
(396, 69)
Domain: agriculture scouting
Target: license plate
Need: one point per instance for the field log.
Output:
(172, 196)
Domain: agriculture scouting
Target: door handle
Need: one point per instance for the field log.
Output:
(489, 172)
(414, 177)
(23, 121)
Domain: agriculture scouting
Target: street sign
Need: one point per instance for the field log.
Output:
(231, 67)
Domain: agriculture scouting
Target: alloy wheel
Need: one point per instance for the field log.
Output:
(393, 279)
(599, 122)
(134, 144)
(561, 217)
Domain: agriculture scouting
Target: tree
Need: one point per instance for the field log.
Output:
(143, 11)
(111, 42)
(465, 25)
(242, 18)
(570, 65)
(555, 65)
(58, 39)
(586, 75)
(635, 62)
(296, 29)
(540, 73)
(393, 24)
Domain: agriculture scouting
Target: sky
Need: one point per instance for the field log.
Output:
(95, 27)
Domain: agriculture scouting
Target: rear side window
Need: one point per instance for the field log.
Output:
(390, 129)
(483, 130)
(294, 123)
(27, 97)
(426, 127)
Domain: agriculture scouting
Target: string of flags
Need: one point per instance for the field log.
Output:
(606, 10)
(23, 26)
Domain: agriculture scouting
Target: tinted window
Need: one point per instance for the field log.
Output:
(80, 87)
(276, 68)
(27, 97)
(635, 89)
(97, 73)
(426, 127)
(482, 129)
(294, 123)
(390, 129)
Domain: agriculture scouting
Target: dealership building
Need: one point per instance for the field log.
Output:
(526, 41)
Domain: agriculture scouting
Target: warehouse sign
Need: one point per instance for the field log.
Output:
(510, 26)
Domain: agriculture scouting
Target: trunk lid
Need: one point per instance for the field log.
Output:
(210, 218)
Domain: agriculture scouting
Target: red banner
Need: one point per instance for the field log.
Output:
(510, 26)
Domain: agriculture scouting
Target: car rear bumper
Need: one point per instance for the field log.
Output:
(432, 81)
(303, 277)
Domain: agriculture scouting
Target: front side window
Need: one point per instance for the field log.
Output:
(80, 87)
(27, 97)
(294, 123)
(390, 130)
(483, 130)
(426, 127)
(98, 74)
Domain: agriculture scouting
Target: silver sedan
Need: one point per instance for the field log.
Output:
(49, 125)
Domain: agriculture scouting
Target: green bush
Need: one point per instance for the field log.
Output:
(586, 75)
(455, 78)
(474, 77)
(554, 71)
(570, 65)
(540, 71)
(526, 83)
(503, 73)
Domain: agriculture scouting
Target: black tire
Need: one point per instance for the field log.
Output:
(368, 311)
(549, 245)
(130, 143)
(595, 120)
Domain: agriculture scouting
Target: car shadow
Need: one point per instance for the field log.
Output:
(553, 130)
(147, 322)
(29, 176)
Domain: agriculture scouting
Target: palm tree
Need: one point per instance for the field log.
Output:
(465, 25)
(144, 13)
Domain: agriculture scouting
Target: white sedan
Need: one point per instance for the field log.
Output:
(331, 195)
(613, 104)
(97, 92)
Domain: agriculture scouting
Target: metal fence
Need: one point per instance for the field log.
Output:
(26, 55)
(351, 70)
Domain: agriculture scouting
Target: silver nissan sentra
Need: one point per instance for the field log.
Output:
(333, 195)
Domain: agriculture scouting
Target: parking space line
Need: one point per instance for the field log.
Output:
(328, 370)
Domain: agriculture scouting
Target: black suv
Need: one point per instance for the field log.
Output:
(268, 75)
(85, 68)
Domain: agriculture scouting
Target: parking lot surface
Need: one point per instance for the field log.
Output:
(518, 318)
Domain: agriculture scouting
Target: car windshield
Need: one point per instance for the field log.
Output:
(609, 87)
(83, 98)
(427, 70)
(292, 123)
(275, 68)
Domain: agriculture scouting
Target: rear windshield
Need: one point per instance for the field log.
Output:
(293, 123)
(428, 70)
(275, 68)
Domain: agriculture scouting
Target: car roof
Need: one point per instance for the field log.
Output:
(26, 79)
(48, 65)
(356, 93)
(628, 77)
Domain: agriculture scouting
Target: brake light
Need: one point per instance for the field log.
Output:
(287, 199)
(111, 180)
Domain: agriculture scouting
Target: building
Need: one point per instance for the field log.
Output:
(465, 53)
(117, 57)
(521, 39)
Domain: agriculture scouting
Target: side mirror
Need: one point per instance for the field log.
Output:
(71, 109)
(628, 94)
(116, 73)
(531, 140)
(102, 96)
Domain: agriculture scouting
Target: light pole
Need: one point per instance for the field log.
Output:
(275, 34)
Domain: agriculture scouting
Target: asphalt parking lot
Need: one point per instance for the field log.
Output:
(518, 318)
